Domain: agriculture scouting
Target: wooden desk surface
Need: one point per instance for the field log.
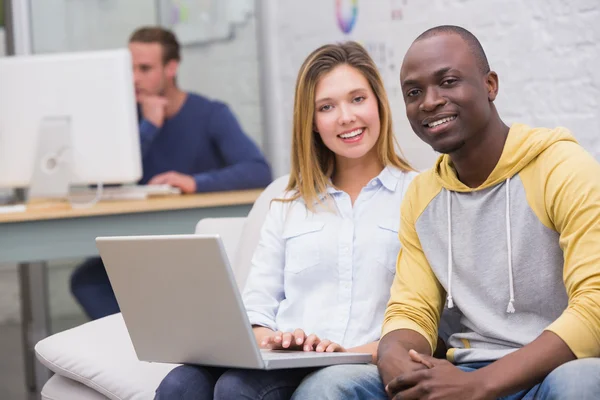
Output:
(63, 210)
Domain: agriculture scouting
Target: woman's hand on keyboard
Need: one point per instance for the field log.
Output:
(329, 347)
(284, 340)
(298, 340)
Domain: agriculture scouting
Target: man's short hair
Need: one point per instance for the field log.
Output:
(467, 37)
(162, 36)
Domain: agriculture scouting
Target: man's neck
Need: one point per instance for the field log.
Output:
(476, 160)
(175, 100)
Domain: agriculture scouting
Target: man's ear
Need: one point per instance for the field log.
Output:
(171, 68)
(492, 84)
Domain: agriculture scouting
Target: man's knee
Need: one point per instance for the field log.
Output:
(578, 379)
(342, 382)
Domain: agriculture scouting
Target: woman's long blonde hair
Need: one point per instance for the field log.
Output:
(312, 162)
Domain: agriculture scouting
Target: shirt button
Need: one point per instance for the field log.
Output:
(374, 183)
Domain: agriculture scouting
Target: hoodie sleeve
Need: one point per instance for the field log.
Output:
(417, 298)
(567, 199)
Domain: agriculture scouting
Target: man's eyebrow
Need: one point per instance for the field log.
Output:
(439, 73)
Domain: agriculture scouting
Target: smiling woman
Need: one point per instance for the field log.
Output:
(329, 242)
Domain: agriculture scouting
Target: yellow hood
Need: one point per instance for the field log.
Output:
(522, 146)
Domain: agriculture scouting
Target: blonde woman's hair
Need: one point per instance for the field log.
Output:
(312, 162)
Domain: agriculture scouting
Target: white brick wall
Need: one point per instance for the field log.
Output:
(546, 52)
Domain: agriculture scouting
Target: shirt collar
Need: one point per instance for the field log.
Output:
(388, 178)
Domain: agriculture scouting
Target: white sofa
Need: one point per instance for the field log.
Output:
(97, 360)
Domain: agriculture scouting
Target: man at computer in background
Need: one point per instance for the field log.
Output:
(187, 141)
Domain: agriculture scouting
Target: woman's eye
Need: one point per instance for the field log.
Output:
(359, 99)
(326, 107)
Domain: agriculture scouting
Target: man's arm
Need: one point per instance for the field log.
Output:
(393, 359)
(152, 109)
(246, 166)
(148, 131)
(567, 200)
(525, 367)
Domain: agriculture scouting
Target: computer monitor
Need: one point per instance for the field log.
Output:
(70, 113)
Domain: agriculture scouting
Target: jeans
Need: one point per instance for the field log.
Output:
(92, 289)
(578, 379)
(352, 381)
(205, 383)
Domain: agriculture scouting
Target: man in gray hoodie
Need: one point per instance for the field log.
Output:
(504, 230)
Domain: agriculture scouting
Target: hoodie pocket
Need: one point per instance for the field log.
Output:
(388, 243)
(302, 245)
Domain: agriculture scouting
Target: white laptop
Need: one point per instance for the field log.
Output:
(181, 304)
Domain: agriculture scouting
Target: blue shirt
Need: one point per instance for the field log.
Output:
(203, 140)
(329, 272)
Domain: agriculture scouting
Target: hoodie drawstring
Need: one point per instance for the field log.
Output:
(511, 286)
(511, 308)
(449, 298)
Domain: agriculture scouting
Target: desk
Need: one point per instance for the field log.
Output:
(48, 231)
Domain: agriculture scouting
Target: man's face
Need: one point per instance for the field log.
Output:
(150, 75)
(447, 96)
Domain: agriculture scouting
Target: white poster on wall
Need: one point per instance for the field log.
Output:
(196, 21)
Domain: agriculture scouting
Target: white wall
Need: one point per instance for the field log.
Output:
(546, 53)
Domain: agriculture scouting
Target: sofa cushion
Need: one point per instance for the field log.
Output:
(100, 355)
(60, 388)
(253, 226)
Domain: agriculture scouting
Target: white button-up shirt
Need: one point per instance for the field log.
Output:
(329, 272)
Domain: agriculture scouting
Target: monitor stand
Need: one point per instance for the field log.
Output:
(53, 160)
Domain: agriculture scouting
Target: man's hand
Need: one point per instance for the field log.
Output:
(393, 359)
(441, 380)
(298, 340)
(186, 183)
(154, 109)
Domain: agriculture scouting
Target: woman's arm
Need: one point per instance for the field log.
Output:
(367, 348)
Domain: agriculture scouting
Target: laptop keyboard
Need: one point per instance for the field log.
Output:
(284, 354)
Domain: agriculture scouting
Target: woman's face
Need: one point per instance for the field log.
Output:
(346, 113)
